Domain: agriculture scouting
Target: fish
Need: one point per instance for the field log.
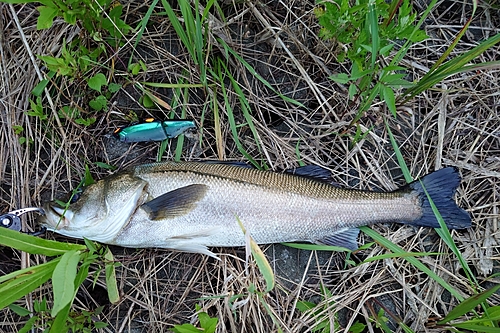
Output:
(194, 206)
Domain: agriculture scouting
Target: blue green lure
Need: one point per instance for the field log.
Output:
(153, 130)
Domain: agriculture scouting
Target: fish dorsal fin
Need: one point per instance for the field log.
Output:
(313, 172)
(347, 238)
(175, 203)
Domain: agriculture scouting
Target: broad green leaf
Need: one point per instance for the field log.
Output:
(304, 306)
(207, 323)
(469, 304)
(35, 245)
(97, 81)
(111, 285)
(186, 328)
(20, 283)
(63, 281)
(114, 87)
(46, 18)
(98, 103)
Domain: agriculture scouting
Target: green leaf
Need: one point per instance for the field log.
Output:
(46, 18)
(19, 310)
(469, 304)
(147, 101)
(97, 81)
(105, 166)
(29, 325)
(20, 283)
(390, 100)
(87, 178)
(114, 87)
(98, 103)
(111, 285)
(186, 328)
(35, 245)
(304, 306)
(341, 78)
(207, 323)
(38, 90)
(63, 281)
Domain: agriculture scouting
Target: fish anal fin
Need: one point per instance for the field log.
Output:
(347, 238)
(175, 203)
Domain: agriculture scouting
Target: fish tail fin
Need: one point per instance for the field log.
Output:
(441, 186)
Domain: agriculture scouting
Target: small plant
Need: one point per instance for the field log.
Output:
(365, 33)
(83, 321)
(207, 324)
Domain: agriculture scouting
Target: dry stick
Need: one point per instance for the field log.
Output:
(317, 93)
(442, 105)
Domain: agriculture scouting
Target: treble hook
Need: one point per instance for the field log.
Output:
(12, 220)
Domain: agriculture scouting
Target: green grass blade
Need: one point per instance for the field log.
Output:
(257, 75)
(399, 255)
(468, 305)
(142, 26)
(417, 264)
(450, 48)
(372, 23)
(476, 328)
(232, 123)
(454, 66)
(183, 36)
(399, 156)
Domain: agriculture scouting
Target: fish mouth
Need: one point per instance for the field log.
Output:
(56, 217)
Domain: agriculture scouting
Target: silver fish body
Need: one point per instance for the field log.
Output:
(190, 206)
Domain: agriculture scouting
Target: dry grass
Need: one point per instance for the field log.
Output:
(456, 123)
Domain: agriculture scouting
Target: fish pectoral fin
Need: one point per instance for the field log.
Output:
(193, 247)
(347, 238)
(175, 203)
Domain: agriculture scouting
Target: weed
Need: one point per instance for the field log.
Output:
(364, 33)
(207, 324)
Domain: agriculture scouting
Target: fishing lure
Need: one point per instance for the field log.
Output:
(12, 220)
(153, 130)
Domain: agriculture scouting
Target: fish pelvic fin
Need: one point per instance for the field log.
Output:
(441, 186)
(175, 203)
(347, 238)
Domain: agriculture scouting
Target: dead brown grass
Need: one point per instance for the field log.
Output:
(455, 123)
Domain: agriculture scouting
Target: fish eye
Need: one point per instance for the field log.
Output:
(75, 195)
